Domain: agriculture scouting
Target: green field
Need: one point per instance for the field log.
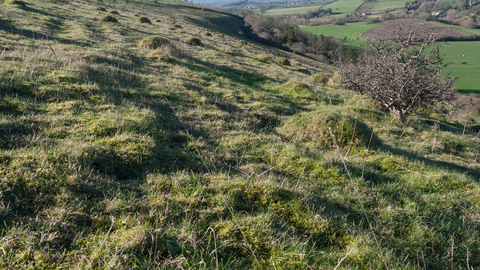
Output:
(349, 30)
(383, 5)
(468, 74)
(468, 79)
(289, 11)
(460, 28)
(344, 5)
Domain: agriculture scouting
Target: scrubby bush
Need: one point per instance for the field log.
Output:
(109, 19)
(143, 20)
(193, 41)
(208, 34)
(102, 9)
(178, 26)
(320, 78)
(282, 61)
(113, 12)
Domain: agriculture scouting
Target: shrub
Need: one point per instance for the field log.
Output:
(102, 9)
(143, 20)
(158, 20)
(320, 78)
(397, 71)
(193, 41)
(282, 61)
(17, 3)
(208, 34)
(178, 26)
(313, 128)
(263, 58)
(109, 19)
(113, 12)
(153, 42)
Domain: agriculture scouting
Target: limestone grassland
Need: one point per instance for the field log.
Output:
(180, 144)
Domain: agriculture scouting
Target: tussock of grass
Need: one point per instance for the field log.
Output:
(109, 19)
(263, 58)
(193, 41)
(282, 61)
(320, 78)
(102, 9)
(153, 42)
(296, 87)
(143, 20)
(316, 129)
(16, 3)
(113, 12)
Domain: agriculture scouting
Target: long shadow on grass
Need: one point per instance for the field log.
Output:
(11, 28)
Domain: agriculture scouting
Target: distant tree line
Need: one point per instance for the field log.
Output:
(281, 31)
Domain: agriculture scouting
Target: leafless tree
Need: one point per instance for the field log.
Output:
(401, 69)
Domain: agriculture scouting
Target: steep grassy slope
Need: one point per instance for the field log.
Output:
(206, 154)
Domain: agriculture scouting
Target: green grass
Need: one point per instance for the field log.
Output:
(468, 79)
(379, 6)
(218, 158)
(343, 6)
(293, 10)
(460, 28)
(349, 30)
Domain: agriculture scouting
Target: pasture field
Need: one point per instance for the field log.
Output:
(466, 68)
(343, 6)
(460, 28)
(381, 5)
(349, 30)
(294, 10)
(467, 73)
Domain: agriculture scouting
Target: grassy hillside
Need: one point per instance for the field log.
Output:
(344, 5)
(210, 152)
(376, 6)
(294, 10)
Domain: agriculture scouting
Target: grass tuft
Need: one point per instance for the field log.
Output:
(113, 12)
(16, 3)
(102, 9)
(282, 61)
(263, 58)
(143, 20)
(153, 42)
(314, 129)
(193, 41)
(320, 78)
(109, 19)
